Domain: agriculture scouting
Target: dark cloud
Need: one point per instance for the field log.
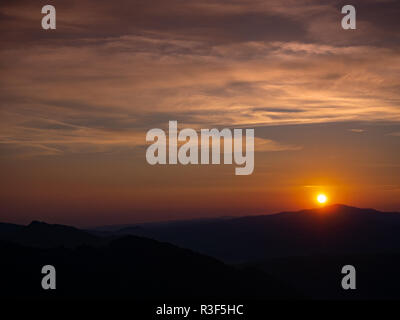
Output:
(212, 23)
(20, 21)
(382, 16)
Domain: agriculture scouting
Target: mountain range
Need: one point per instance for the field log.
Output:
(289, 255)
(335, 229)
(128, 267)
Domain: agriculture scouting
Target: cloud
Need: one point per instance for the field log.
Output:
(110, 72)
(264, 145)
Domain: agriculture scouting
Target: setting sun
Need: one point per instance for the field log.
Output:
(321, 198)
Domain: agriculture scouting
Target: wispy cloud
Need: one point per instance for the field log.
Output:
(108, 75)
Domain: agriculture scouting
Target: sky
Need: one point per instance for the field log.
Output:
(76, 103)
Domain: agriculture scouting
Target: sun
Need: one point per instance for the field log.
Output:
(321, 198)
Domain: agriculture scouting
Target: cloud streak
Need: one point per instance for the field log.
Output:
(107, 76)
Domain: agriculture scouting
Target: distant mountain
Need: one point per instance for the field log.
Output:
(130, 268)
(335, 229)
(40, 234)
(129, 227)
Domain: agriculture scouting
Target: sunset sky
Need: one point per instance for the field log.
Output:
(76, 103)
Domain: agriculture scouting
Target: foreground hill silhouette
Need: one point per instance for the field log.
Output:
(319, 276)
(130, 268)
(336, 229)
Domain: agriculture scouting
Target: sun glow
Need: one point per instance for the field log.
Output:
(321, 198)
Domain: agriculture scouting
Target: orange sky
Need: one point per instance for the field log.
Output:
(77, 101)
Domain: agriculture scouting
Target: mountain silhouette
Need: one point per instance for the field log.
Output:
(40, 234)
(307, 249)
(335, 229)
(281, 256)
(319, 276)
(127, 267)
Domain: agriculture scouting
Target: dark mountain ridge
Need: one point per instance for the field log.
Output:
(40, 234)
(277, 256)
(335, 229)
(131, 268)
